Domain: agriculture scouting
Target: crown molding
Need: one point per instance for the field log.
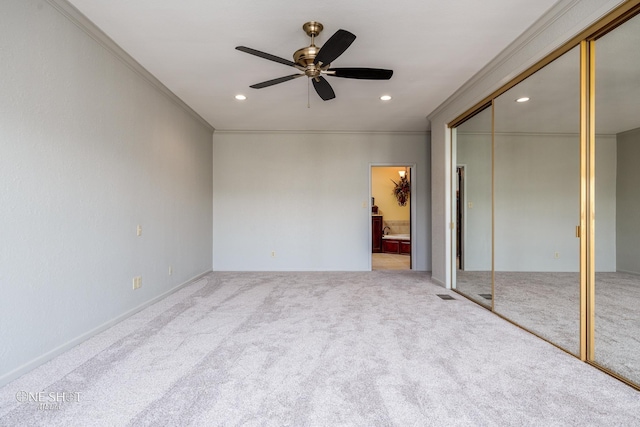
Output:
(81, 21)
(318, 132)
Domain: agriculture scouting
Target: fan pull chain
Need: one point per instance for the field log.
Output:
(308, 93)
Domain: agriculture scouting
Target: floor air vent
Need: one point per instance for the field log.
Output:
(486, 296)
(445, 296)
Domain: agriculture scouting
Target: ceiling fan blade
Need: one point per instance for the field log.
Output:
(334, 47)
(361, 73)
(265, 55)
(275, 81)
(323, 88)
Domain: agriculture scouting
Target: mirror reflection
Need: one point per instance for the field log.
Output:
(537, 202)
(617, 225)
(473, 208)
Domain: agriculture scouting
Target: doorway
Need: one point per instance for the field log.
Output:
(392, 200)
(460, 215)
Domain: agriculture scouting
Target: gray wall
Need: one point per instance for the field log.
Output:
(606, 188)
(474, 152)
(89, 150)
(628, 202)
(536, 202)
(306, 196)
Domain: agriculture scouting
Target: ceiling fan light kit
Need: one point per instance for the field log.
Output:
(315, 61)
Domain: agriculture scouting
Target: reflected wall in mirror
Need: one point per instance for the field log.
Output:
(617, 194)
(537, 202)
(473, 207)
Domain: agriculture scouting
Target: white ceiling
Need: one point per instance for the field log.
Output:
(432, 46)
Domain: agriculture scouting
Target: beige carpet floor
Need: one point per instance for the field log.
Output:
(316, 349)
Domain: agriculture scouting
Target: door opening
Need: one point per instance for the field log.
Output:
(392, 247)
(460, 205)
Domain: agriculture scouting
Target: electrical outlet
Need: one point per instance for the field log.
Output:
(170, 270)
(137, 282)
(139, 231)
(273, 254)
(556, 255)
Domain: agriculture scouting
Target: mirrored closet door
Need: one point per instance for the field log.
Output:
(616, 332)
(537, 202)
(546, 198)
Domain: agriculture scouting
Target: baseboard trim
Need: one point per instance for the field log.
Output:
(21, 370)
(634, 273)
(438, 282)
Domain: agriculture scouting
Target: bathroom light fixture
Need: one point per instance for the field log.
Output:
(402, 174)
(523, 99)
(385, 97)
(241, 97)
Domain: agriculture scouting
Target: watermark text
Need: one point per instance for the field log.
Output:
(47, 401)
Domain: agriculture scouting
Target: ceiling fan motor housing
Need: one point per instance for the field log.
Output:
(304, 57)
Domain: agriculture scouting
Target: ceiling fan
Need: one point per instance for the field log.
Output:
(314, 61)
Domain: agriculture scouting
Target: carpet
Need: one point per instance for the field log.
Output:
(549, 305)
(316, 349)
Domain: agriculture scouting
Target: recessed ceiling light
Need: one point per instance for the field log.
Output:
(523, 99)
(241, 97)
(385, 97)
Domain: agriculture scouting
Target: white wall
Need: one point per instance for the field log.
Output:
(628, 202)
(89, 150)
(302, 194)
(563, 21)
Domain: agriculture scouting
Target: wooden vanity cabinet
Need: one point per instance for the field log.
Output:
(376, 233)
